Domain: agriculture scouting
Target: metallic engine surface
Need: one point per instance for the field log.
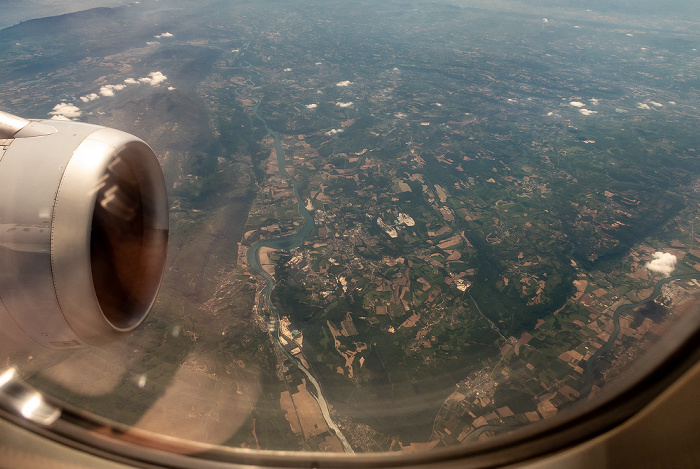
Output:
(50, 181)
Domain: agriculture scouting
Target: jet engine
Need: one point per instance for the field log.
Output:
(83, 232)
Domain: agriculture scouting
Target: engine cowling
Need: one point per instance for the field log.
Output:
(83, 232)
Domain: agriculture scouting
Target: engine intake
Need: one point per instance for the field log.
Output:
(83, 231)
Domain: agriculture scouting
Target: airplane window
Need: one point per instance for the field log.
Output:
(392, 227)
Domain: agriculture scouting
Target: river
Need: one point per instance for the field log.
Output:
(593, 361)
(288, 242)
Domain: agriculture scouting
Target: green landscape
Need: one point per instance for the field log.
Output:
(439, 221)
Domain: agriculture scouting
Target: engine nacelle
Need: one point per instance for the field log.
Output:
(83, 232)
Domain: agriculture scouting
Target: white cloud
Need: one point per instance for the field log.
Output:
(65, 111)
(662, 262)
(171, 88)
(154, 78)
(287, 69)
(545, 20)
(654, 103)
(152, 43)
(334, 131)
(576, 104)
(643, 106)
(311, 106)
(89, 97)
(594, 101)
(348, 104)
(108, 90)
(166, 34)
(587, 112)
(344, 83)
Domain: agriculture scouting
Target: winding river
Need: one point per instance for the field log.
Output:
(288, 242)
(593, 361)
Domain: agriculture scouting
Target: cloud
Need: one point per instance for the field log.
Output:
(643, 106)
(334, 131)
(576, 104)
(587, 112)
(89, 97)
(662, 262)
(654, 103)
(287, 69)
(108, 90)
(166, 34)
(344, 83)
(311, 106)
(348, 104)
(154, 78)
(65, 111)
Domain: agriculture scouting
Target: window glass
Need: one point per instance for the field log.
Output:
(394, 226)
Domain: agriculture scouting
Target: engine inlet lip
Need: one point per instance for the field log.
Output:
(71, 231)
